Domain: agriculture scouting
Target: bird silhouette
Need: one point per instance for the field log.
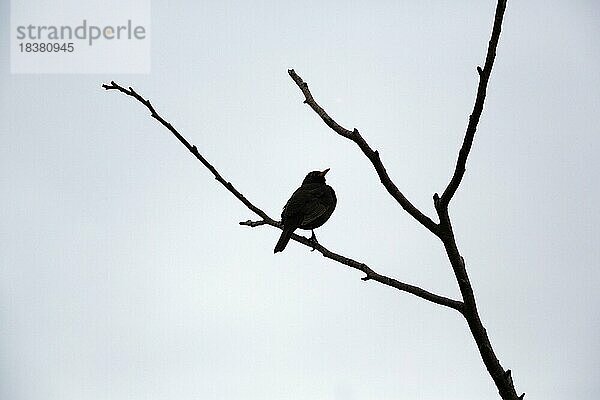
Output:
(310, 206)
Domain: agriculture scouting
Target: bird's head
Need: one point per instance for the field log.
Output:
(315, 177)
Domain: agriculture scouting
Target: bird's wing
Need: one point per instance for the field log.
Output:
(313, 210)
(306, 204)
(297, 202)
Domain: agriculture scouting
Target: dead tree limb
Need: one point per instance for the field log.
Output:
(502, 379)
(370, 274)
(484, 76)
(372, 155)
(443, 229)
(467, 307)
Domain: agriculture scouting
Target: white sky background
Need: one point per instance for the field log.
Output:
(124, 273)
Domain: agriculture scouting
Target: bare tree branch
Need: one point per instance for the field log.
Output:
(191, 148)
(266, 220)
(372, 155)
(467, 307)
(502, 379)
(369, 273)
(484, 76)
(253, 224)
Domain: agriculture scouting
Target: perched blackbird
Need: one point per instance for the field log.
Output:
(310, 206)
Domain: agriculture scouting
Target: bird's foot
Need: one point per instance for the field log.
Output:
(313, 241)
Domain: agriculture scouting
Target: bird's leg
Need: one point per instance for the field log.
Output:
(313, 239)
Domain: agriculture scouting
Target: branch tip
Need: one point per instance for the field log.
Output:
(437, 202)
(484, 74)
(253, 224)
(365, 278)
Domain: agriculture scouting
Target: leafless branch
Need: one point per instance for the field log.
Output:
(193, 149)
(370, 274)
(484, 76)
(253, 224)
(502, 379)
(467, 307)
(372, 155)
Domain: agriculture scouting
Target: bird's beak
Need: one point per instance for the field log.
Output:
(324, 172)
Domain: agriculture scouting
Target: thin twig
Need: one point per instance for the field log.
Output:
(370, 274)
(372, 155)
(193, 149)
(254, 224)
(484, 76)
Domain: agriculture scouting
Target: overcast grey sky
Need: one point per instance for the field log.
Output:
(124, 273)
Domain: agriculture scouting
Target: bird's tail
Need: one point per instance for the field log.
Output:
(284, 238)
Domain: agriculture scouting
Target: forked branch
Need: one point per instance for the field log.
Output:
(372, 155)
(467, 307)
(370, 274)
(502, 378)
